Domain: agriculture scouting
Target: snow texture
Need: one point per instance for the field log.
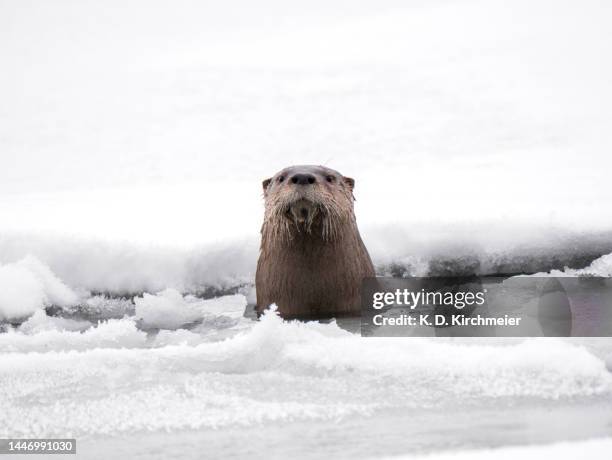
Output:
(593, 449)
(170, 310)
(128, 269)
(112, 378)
(29, 285)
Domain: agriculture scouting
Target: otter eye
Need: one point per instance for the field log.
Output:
(330, 178)
(281, 178)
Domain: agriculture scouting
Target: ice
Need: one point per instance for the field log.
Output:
(21, 293)
(29, 285)
(61, 335)
(166, 310)
(120, 268)
(112, 378)
(231, 306)
(40, 322)
(105, 307)
(467, 248)
(56, 292)
(170, 310)
(599, 267)
(593, 449)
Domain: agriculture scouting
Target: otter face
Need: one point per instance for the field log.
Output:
(304, 198)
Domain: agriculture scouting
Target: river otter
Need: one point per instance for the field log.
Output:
(312, 259)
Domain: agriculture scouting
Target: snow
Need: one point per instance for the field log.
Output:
(41, 322)
(170, 310)
(112, 378)
(128, 269)
(120, 268)
(447, 112)
(29, 285)
(46, 334)
(599, 267)
(592, 449)
(21, 293)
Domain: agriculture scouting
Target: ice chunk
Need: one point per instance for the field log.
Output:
(21, 294)
(168, 309)
(599, 267)
(40, 321)
(29, 285)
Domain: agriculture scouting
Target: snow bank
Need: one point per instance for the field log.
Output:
(127, 269)
(28, 285)
(119, 268)
(111, 378)
(485, 249)
(21, 294)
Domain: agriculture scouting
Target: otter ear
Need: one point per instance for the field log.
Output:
(350, 182)
(265, 184)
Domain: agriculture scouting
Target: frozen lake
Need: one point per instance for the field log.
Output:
(384, 434)
(233, 388)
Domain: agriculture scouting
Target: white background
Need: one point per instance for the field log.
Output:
(157, 121)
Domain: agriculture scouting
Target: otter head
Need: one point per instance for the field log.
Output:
(307, 200)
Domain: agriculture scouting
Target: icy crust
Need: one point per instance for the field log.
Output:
(127, 270)
(29, 285)
(469, 251)
(163, 319)
(114, 378)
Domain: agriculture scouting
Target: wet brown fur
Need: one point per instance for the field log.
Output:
(311, 266)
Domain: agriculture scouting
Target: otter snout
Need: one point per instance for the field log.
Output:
(303, 179)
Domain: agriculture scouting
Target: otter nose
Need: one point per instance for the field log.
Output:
(303, 179)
